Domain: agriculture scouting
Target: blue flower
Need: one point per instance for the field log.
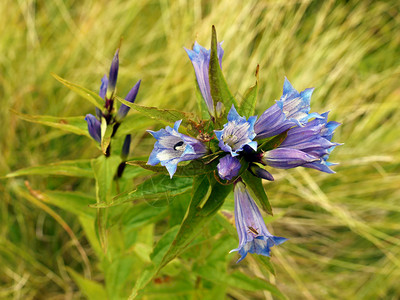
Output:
(112, 78)
(200, 58)
(124, 109)
(237, 133)
(292, 109)
(308, 146)
(228, 167)
(94, 127)
(254, 236)
(173, 147)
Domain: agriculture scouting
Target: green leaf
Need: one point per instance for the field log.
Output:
(76, 125)
(194, 168)
(242, 281)
(197, 216)
(249, 101)
(218, 86)
(255, 185)
(74, 202)
(77, 168)
(89, 95)
(133, 123)
(91, 289)
(159, 187)
(273, 143)
(104, 170)
(163, 245)
(170, 116)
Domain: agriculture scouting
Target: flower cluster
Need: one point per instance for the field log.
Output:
(306, 143)
(284, 136)
(107, 93)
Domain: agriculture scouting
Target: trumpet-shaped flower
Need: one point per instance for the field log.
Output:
(94, 127)
(228, 167)
(254, 236)
(308, 146)
(237, 133)
(292, 109)
(124, 109)
(200, 58)
(173, 147)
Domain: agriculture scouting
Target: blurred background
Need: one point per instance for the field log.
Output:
(343, 229)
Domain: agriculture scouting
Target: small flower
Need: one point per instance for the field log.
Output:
(200, 58)
(124, 109)
(94, 127)
(112, 78)
(173, 147)
(228, 167)
(237, 133)
(308, 146)
(292, 109)
(254, 236)
(125, 147)
(260, 172)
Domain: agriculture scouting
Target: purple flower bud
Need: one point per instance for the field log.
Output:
(103, 87)
(228, 167)
(254, 236)
(94, 127)
(112, 78)
(260, 172)
(125, 147)
(200, 58)
(124, 109)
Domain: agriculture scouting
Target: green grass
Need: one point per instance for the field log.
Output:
(343, 228)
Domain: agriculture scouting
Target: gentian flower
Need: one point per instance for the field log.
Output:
(94, 127)
(292, 109)
(200, 58)
(173, 147)
(124, 109)
(112, 78)
(228, 167)
(254, 236)
(308, 146)
(237, 133)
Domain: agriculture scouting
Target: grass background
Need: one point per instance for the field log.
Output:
(344, 229)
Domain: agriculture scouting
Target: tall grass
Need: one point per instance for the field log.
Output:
(343, 228)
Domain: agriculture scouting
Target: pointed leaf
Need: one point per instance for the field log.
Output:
(255, 185)
(159, 187)
(170, 116)
(218, 86)
(89, 95)
(91, 289)
(194, 168)
(106, 132)
(75, 125)
(77, 168)
(249, 101)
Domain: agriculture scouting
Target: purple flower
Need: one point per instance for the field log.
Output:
(260, 172)
(200, 58)
(126, 146)
(112, 78)
(94, 127)
(308, 146)
(124, 109)
(228, 167)
(254, 236)
(173, 147)
(292, 109)
(237, 133)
